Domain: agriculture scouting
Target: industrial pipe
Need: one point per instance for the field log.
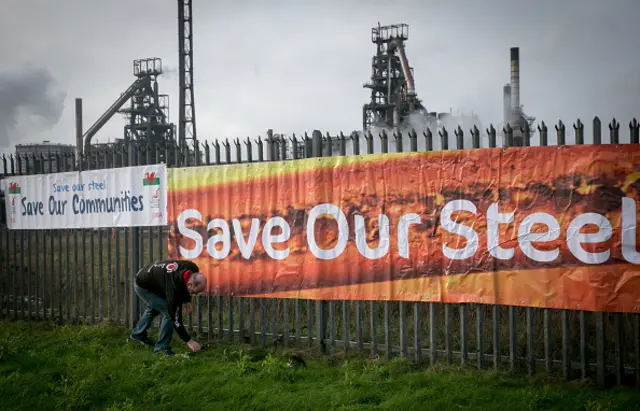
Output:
(515, 79)
(102, 120)
(411, 87)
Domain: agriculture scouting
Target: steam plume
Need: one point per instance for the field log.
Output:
(28, 98)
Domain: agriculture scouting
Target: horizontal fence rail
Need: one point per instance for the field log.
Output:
(86, 275)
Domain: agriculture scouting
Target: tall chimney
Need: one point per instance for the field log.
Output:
(79, 143)
(515, 79)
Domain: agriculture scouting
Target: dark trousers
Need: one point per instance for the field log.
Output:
(155, 305)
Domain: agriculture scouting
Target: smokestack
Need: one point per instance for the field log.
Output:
(506, 107)
(78, 130)
(515, 79)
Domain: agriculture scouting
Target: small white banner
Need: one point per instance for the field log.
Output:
(117, 197)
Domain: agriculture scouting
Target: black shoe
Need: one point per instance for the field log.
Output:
(142, 340)
(167, 352)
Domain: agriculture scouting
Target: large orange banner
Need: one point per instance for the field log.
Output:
(551, 227)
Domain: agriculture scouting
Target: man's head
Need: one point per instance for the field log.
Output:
(197, 283)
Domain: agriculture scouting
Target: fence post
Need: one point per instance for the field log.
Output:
(634, 131)
(614, 131)
(135, 247)
(316, 141)
(579, 130)
(428, 136)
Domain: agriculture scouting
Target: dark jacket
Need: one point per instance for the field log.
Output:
(165, 279)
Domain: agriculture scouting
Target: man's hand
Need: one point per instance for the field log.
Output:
(187, 308)
(193, 345)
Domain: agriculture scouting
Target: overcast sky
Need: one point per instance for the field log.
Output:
(295, 66)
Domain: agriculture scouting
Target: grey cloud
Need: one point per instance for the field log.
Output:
(28, 97)
(295, 66)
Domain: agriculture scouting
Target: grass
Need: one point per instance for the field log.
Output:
(44, 366)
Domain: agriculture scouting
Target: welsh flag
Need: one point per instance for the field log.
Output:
(150, 179)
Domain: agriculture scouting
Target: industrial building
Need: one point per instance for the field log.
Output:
(42, 157)
(393, 106)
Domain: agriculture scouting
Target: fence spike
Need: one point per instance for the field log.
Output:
(634, 130)
(578, 128)
(560, 132)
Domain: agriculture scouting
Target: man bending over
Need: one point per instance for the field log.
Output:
(165, 286)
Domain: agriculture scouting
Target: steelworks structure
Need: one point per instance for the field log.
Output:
(147, 114)
(393, 92)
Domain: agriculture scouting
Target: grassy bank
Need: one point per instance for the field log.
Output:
(43, 366)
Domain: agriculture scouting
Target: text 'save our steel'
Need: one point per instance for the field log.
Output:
(552, 227)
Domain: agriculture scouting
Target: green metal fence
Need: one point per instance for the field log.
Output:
(86, 275)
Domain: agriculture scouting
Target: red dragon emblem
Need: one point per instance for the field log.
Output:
(150, 176)
(151, 179)
(14, 188)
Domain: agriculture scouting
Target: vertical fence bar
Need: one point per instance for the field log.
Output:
(263, 322)
(274, 314)
(618, 347)
(207, 161)
(508, 142)
(35, 245)
(531, 355)
(285, 321)
(125, 272)
(298, 321)
(241, 300)
(25, 309)
(28, 275)
(134, 159)
(76, 274)
(546, 311)
(4, 291)
(310, 322)
(384, 143)
(464, 315)
(355, 138)
(231, 318)
(600, 353)
(15, 275)
(4, 259)
(59, 285)
(220, 305)
(444, 138)
(475, 143)
(332, 326)
(14, 270)
(51, 253)
(433, 348)
(83, 275)
(320, 304)
(68, 272)
(345, 324)
(636, 339)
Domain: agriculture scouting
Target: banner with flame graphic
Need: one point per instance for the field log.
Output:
(119, 197)
(551, 227)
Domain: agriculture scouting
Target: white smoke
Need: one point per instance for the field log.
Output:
(419, 123)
